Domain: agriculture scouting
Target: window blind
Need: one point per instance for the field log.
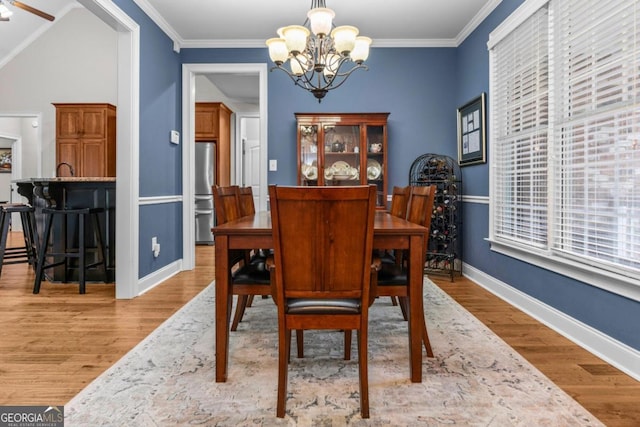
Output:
(596, 154)
(565, 97)
(520, 132)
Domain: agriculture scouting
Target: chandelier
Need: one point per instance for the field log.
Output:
(321, 57)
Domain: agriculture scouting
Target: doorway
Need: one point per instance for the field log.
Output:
(189, 72)
(250, 154)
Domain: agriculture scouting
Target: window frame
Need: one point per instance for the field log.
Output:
(623, 283)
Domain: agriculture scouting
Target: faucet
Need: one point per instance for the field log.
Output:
(67, 164)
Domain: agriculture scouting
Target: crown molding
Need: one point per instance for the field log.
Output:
(477, 20)
(162, 23)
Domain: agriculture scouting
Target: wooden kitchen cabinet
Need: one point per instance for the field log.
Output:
(343, 149)
(213, 124)
(86, 139)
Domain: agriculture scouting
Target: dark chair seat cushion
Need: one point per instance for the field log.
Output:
(322, 306)
(261, 255)
(252, 274)
(392, 275)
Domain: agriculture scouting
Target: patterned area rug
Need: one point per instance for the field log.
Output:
(474, 380)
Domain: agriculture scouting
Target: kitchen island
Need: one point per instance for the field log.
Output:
(75, 192)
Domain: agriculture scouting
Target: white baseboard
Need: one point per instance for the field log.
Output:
(150, 281)
(614, 352)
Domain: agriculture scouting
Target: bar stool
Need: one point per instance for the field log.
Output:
(66, 251)
(24, 254)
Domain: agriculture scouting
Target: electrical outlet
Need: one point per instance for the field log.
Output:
(155, 247)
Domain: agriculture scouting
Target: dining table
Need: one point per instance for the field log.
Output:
(254, 231)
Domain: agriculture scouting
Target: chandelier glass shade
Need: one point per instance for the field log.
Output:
(321, 57)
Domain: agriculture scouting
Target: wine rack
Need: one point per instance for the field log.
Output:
(444, 254)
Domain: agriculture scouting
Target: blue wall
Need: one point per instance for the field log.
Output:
(421, 88)
(419, 95)
(160, 161)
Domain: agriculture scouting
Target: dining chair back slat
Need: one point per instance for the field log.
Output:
(245, 199)
(226, 203)
(399, 201)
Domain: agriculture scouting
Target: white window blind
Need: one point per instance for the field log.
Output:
(520, 111)
(596, 166)
(565, 135)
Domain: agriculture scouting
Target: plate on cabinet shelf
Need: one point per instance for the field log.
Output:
(310, 172)
(341, 171)
(341, 168)
(374, 170)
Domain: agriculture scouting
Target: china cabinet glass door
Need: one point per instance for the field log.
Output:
(375, 167)
(341, 155)
(308, 155)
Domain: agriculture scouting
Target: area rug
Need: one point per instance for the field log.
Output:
(475, 379)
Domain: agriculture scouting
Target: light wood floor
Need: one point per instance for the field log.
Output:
(55, 343)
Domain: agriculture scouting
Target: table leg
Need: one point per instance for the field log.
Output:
(223, 307)
(416, 308)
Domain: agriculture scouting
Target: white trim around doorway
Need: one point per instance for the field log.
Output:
(128, 144)
(189, 71)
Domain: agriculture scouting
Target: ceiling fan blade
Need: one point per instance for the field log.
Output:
(33, 10)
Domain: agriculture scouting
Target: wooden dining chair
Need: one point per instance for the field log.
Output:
(322, 271)
(398, 208)
(247, 207)
(393, 278)
(248, 277)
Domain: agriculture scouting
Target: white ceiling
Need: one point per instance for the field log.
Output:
(206, 23)
(248, 23)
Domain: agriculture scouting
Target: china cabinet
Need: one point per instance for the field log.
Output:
(445, 246)
(86, 139)
(343, 149)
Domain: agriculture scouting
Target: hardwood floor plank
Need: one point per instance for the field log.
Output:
(54, 344)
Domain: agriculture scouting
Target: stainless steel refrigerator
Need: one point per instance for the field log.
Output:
(204, 180)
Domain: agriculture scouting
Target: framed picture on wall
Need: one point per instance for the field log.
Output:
(5, 160)
(472, 132)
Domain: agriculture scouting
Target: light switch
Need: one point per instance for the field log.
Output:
(175, 137)
(273, 165)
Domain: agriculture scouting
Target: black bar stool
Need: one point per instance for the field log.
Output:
(24, 254)
(68, 252)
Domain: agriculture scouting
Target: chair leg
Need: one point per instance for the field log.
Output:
(4, 227)
(241, 304)
(404, 303)
(300, 342)
(364, 371)
(33, 239)
(347, 344)
(249, 301)
(394, 301)
(82, 262)
(100, 245)
(425, 339)
(41, 254)
(284, 344)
